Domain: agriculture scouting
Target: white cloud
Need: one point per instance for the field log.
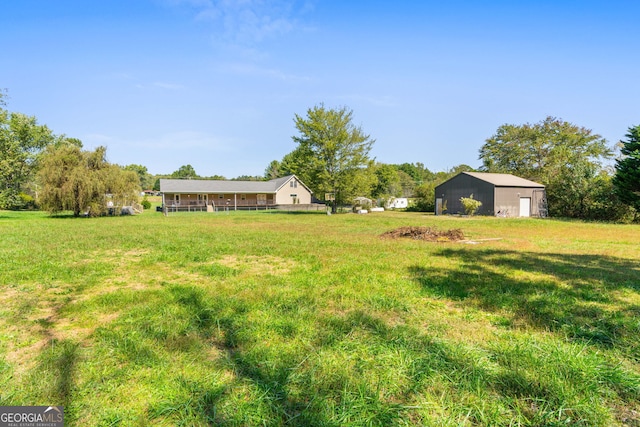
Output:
(170, 86)
(253, 70)
(247, 22)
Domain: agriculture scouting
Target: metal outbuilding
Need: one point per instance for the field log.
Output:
(501, 195)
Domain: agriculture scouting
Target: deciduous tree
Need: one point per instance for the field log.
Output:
(146, 179)
(21, 141)
(78, 181)
(538, 152)
(185, 172)
(333, 153)
(564, 157)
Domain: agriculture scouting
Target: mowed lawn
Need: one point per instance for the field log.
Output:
(265, 318)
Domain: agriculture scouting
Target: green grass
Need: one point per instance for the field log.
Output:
(266, 318)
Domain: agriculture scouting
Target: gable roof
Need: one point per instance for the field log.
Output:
(218, 186)
(504, 180)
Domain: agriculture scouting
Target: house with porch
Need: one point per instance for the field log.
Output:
(211, 195)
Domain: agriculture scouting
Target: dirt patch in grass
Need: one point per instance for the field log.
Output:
(259, 264)
(429, 234)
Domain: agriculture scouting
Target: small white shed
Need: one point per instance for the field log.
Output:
(398, 203)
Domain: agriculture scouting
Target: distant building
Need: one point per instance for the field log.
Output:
(398, 203)
(198, 194)
(500, 194)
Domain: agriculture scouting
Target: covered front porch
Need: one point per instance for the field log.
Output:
(214, 202)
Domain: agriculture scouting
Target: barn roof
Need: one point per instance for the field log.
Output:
(504, 180)
(219, 186)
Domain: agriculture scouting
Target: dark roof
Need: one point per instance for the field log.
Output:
(215, 186)
(504, 180)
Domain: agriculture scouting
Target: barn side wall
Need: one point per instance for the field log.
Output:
(463, 186)
(508, 200)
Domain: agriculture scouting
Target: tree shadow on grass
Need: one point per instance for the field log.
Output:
(55, 375)
(574, 294)
(226, 322)
(337, 381)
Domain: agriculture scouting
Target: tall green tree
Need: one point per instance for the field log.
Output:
(539, 152)
(418, 172)
(146, 179)
(21, 141)
(333, 153)
(76, 180)
(185, 172)
(273, 170)
(564, 157)
(387, 183)
(627, 177)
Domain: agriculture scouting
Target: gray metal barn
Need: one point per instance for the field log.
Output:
(500, 194)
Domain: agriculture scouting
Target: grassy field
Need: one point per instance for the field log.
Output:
(264, 318)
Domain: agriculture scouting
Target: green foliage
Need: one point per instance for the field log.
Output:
(566, 158)
(417, 171)
(21, 141)
(146, 203)
(332, 154)
(185, 172)
(83, 181)
(387, 182)
(470, 204)
(273, 171)
(425, 197)
(146, 179)
(425, 193)
(538, 152)
(247, 178)
(27, 202)
(627, 177)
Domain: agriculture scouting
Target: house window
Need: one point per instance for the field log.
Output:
(293, 184)
(177, 199)
(220, 196)
(262, 199)
(243, 197)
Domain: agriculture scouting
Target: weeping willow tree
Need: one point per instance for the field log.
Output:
(81, 181)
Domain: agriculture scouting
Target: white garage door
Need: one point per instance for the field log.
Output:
(525, 206)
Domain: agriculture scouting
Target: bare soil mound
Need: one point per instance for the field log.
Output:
(429, 234)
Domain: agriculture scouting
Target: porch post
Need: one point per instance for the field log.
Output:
(235, 201)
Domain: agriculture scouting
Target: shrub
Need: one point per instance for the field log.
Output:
(470, 204)
(146, 203)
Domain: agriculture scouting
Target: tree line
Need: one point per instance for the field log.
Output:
(53, 172)
(332, 156)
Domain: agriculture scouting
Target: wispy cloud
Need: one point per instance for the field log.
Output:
(169, 86)
(139, 84)
(248, 22)
(254, 70)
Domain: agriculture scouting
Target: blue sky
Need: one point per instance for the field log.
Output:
(216, 84)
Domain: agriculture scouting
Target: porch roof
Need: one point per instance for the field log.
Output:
(202, 186)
